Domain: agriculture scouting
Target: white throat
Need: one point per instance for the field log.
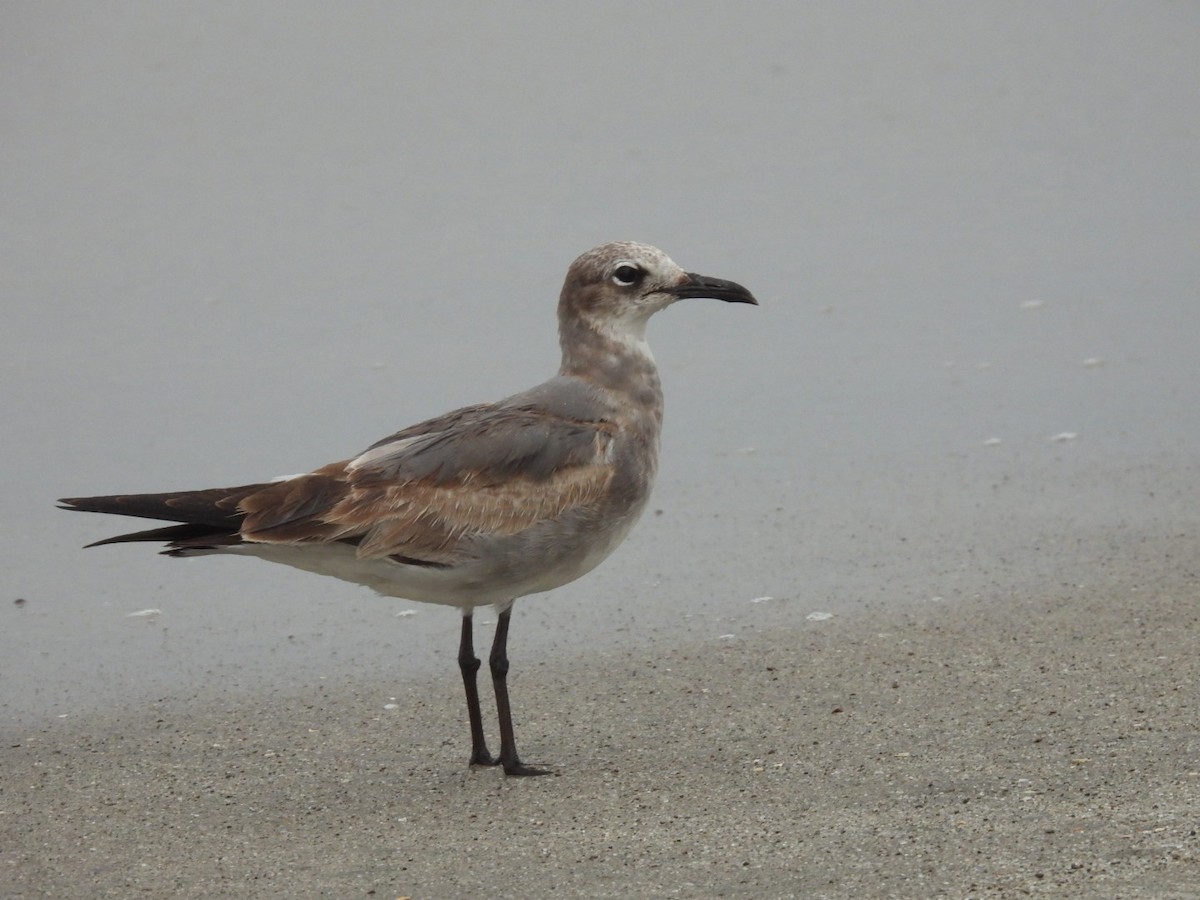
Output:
(628, 330)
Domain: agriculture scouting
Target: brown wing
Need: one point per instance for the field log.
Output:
(489, 470)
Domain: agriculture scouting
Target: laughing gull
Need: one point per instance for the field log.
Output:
(484, 504)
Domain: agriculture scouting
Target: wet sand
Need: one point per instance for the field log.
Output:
(1046, 743)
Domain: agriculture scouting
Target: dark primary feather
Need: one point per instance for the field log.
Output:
(176, 535)
(209, 518)
(212, 506)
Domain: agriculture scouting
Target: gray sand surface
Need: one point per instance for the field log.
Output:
(1039, 743)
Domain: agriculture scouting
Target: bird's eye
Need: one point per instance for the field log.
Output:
(627, 275)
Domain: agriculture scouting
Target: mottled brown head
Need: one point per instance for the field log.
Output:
(616, 287)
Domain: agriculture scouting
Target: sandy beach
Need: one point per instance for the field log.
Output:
(1030, 744)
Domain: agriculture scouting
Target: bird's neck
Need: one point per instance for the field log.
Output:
(615, 357)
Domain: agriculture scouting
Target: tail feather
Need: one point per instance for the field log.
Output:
(208, 518)
(176, 535)
(215, 506)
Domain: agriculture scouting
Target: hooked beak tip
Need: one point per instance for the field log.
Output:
(714, 288)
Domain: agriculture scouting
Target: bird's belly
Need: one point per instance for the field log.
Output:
(384, 576)
(503, 569)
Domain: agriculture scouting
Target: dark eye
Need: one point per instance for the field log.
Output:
(627, 275)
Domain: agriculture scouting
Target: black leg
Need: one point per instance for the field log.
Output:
(499, 665)
(469, 663)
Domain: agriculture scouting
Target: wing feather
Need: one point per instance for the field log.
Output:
(421, 492)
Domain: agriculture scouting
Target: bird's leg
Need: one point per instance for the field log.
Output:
(469, 663)
(499, 665)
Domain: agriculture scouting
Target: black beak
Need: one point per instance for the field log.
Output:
(713, 288)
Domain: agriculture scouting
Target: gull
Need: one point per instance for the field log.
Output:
(482, 505)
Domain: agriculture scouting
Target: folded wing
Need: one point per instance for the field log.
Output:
(419, 495)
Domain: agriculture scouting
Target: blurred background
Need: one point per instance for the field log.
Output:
(243, 240)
